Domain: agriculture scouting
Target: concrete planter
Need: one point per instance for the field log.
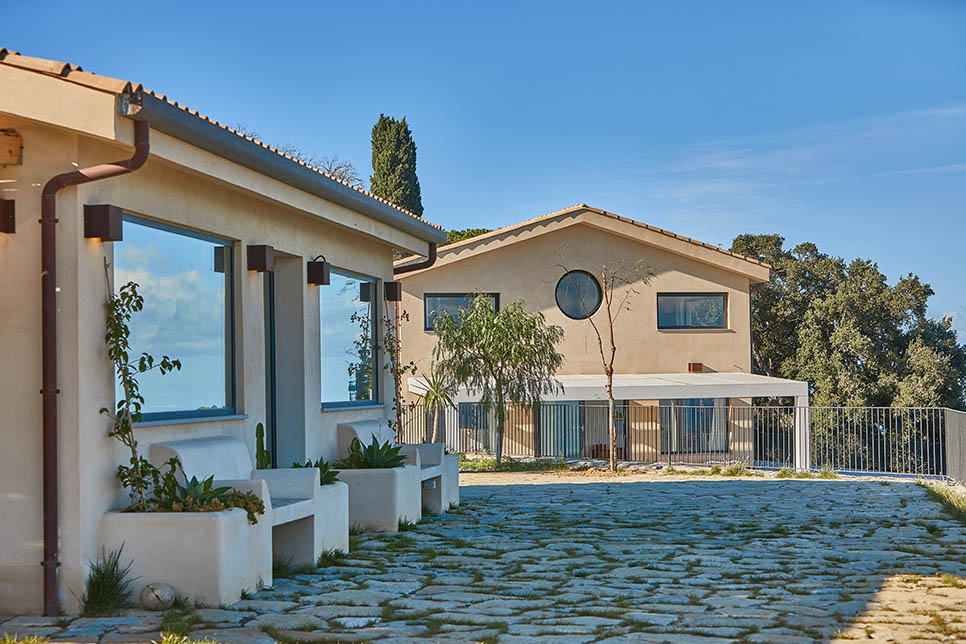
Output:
(380, 498)
(206, 556)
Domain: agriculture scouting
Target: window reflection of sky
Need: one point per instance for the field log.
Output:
(184, 316)
(337, 302)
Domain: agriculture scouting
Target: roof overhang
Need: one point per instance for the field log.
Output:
(607, 222)
(659, 386)
(187, 127)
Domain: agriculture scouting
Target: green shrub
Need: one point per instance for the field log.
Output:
(327, 475)
(510, 465)
(372, 456)
(738, 469)
(108, 586)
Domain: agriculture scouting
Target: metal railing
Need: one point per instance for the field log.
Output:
(909, 441)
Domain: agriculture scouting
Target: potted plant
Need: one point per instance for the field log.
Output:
(384, 490)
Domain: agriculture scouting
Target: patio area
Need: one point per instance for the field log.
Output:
(650, 558)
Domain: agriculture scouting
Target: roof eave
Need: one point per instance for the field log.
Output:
(183, 125)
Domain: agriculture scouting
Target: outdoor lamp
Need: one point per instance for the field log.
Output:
(8, 223)
(261, 258)
(393, 291)
(104, 222)
(317, 271)
(365, 291)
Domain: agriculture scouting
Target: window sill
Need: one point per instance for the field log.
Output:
(696, 331)
(351, 407)
(185, 421)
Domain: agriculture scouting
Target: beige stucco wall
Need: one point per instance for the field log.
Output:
(197, 193)
(528, 271)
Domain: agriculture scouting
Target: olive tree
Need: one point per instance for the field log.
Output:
(507, 356)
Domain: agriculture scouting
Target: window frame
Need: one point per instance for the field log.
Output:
(429, 327)
(724, 301)
(231, 405)
(374, 309)
(600, 291)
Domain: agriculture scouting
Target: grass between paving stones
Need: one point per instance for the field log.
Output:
(510, 465)
(28, 639)
(953, 502)
(179, 621)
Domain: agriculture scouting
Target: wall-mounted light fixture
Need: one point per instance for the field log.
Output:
(393, 291)
(261, 258)
(8, 222)
(104, 222)
(317, 271)
(365, 291)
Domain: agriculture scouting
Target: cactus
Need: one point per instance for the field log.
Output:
(263, 457)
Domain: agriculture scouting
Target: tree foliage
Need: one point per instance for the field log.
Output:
(394, 164)
(507, 356)
(453, 236)
(842, 327)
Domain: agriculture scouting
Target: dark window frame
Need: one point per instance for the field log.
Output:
(724, 303)
(231, 405)
(600, 291)
(429, 327)
(374, 310)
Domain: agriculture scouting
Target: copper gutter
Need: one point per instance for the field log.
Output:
(418, 266)
(48, 296)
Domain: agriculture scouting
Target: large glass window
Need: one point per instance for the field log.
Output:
(694, 425)
(347, 311)
(451, 303)
(691, 310)
(578, 295)
(186, 282)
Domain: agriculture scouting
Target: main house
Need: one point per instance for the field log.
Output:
(263, 276)
(683, 365)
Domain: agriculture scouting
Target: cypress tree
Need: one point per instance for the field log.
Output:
(394, 164)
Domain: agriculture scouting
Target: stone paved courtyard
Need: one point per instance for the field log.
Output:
(632, 559)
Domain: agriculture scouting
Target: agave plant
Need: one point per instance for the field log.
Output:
(327, 475)
(376, 455)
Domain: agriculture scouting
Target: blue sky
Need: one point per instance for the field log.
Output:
(838, 123)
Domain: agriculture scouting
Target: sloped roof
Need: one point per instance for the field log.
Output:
(75, 74)
(498, 238)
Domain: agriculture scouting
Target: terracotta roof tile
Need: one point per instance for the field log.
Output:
(577, 208)
(75, 74)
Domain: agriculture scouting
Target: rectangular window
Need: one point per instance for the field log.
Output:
(347, 313)
(691, 310)
(435, 303)
(694, 425)
(185, 279)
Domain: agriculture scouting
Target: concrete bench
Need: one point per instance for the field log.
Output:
(305, 518)
(438, 472)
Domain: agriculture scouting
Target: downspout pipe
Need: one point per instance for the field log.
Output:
(48, 297)
(418, 266)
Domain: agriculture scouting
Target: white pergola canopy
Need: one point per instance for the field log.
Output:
(661, 386)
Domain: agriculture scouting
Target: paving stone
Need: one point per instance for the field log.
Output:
(134, 638)
(262, 605)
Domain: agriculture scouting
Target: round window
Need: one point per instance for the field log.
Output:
(578, 295)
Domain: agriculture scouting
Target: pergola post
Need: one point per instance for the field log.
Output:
(802, 446)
